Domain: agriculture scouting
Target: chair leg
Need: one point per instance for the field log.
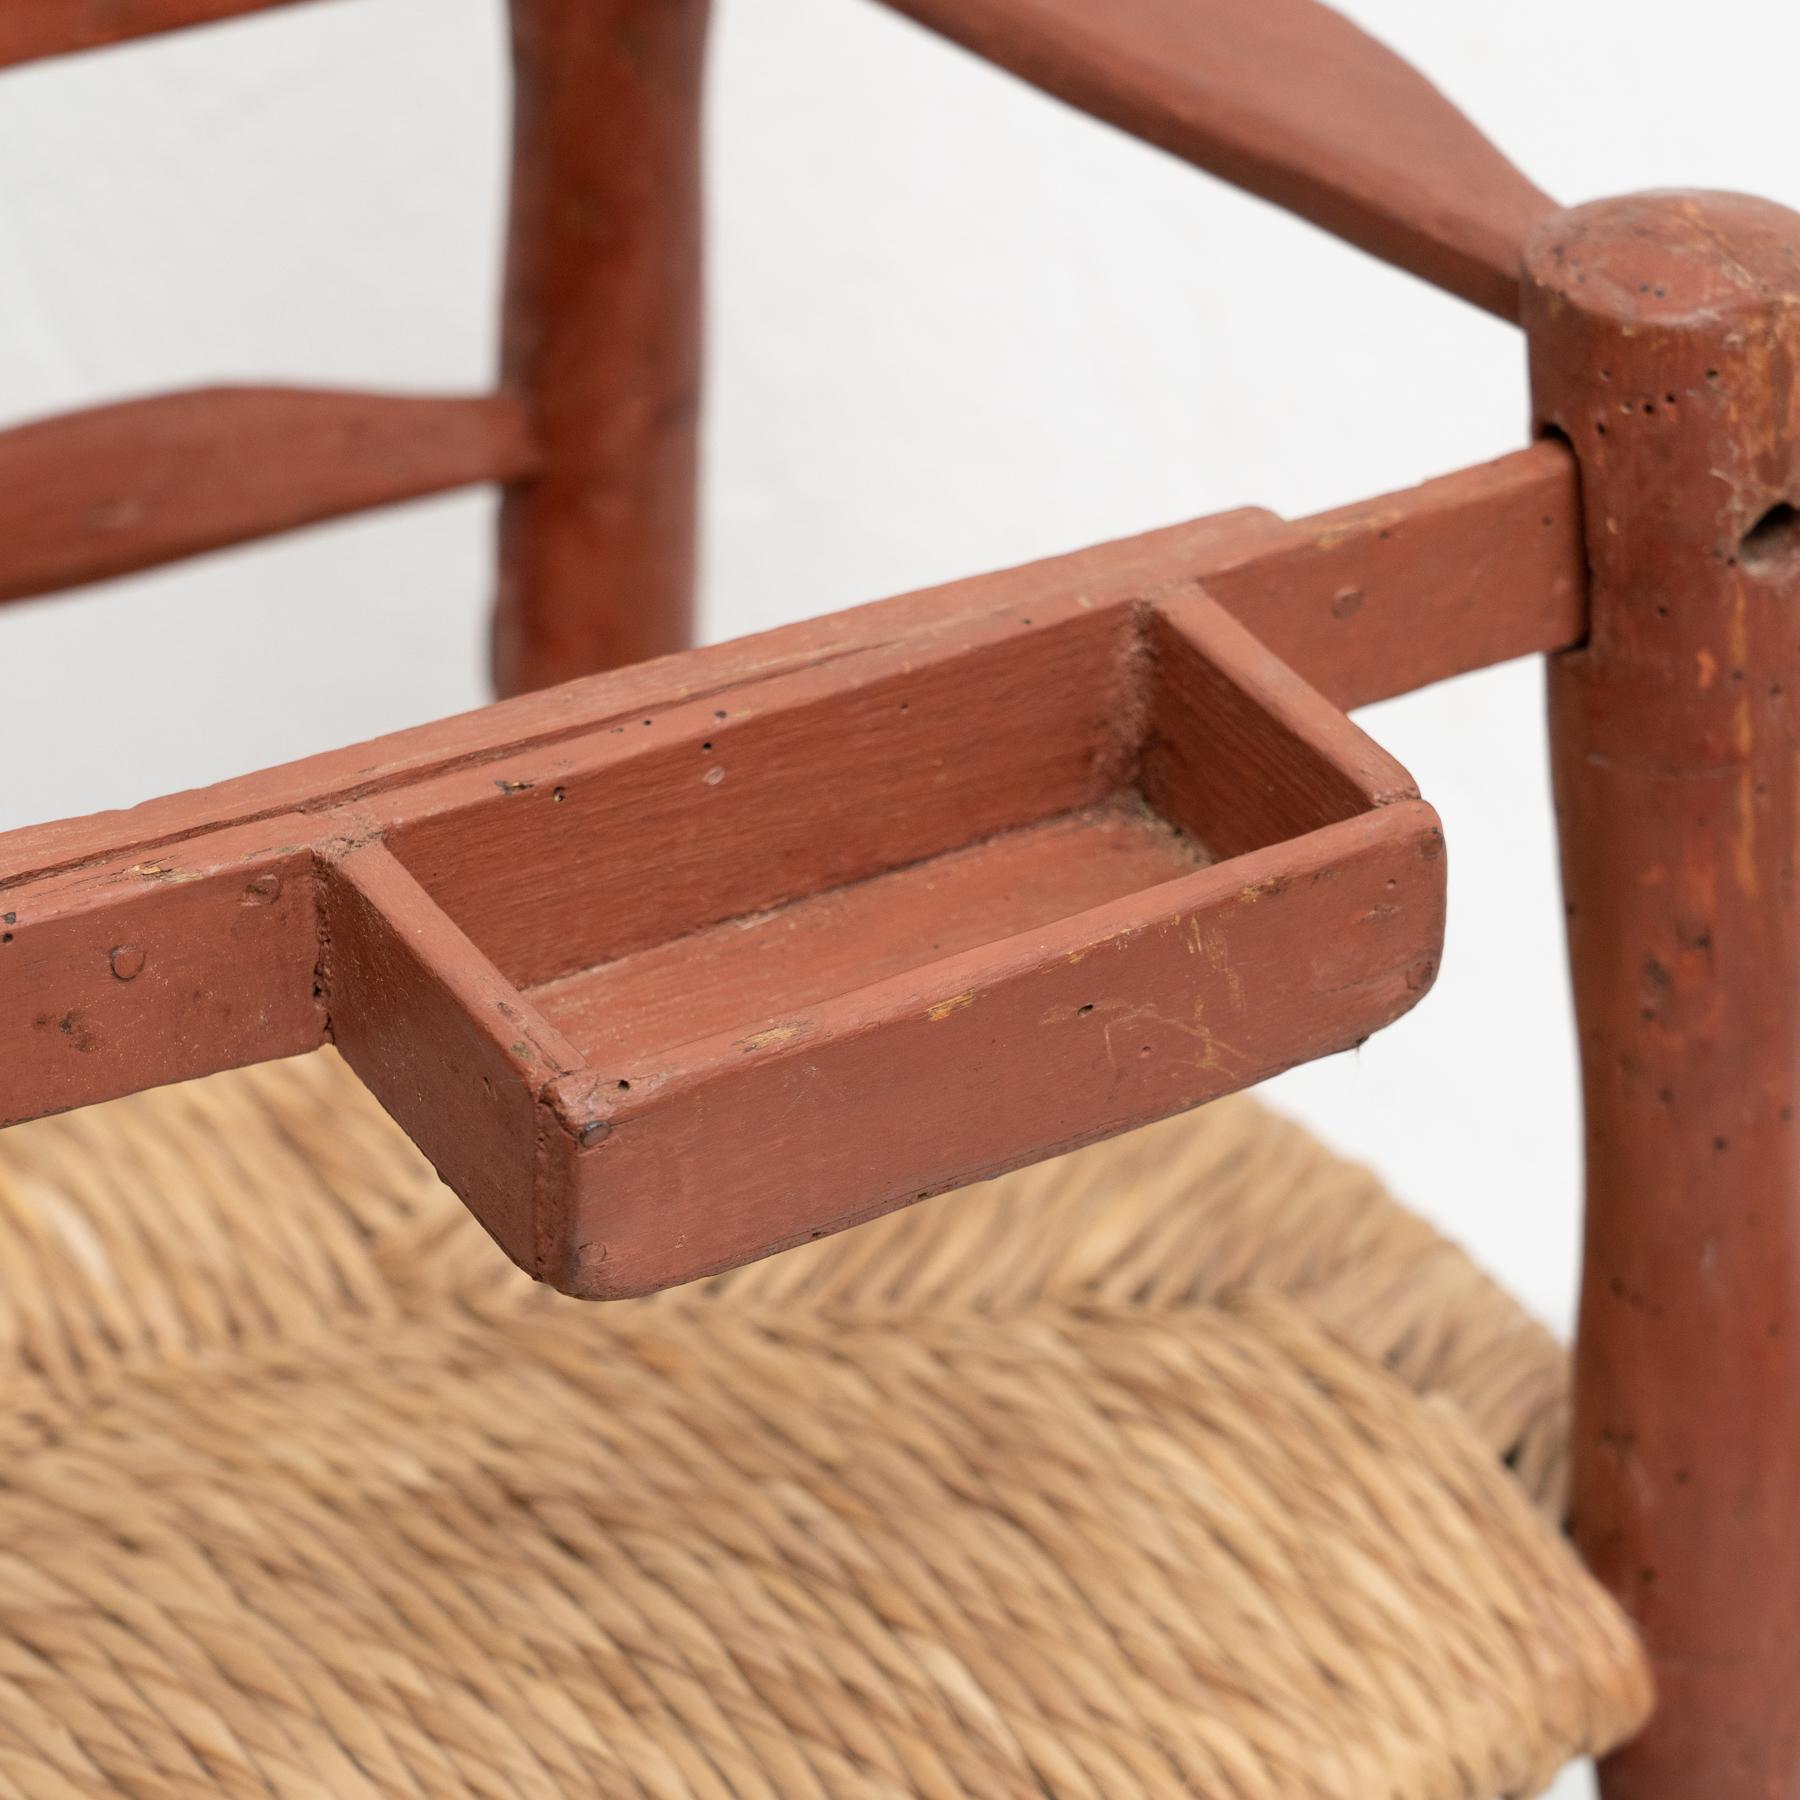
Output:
(602, 336)
(1665, 342)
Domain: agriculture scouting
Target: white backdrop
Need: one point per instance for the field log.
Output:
(954, 327)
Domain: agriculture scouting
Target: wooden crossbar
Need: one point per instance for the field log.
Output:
(91, 495)
(1365, 602)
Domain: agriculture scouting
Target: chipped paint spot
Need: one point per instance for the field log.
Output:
(75, 1028)
(1212, 1053)
(1220, 960)
(1367, 520)
(164, 872)
(945, 1008)
(766, 1040)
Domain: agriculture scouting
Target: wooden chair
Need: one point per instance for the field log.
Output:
(671, 968)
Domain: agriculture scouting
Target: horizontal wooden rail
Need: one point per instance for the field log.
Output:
(1365, 602)
(33, 29)
(92, 495)
(1287, 99)
(1390, 595)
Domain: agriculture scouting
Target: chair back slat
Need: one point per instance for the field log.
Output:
(593, 434)
(114, 489)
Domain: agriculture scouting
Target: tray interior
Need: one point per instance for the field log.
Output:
(693, 873)
(639, 1009)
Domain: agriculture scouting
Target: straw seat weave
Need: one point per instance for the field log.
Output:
(1186, 1465)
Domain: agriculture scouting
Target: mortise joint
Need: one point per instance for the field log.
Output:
(1773, 541)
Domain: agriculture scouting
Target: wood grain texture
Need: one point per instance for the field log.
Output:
(602, 336)
(1433, 562)
(1237, 749)
(1392, 594)
(1665, 336)
(739, 803)
(33, 29)
(1122, 570)
(115, 489)
(641, 1009)
(1287, 99)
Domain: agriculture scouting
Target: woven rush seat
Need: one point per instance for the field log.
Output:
(1187, 1464)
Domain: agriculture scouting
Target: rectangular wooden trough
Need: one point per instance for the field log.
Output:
(672, 969)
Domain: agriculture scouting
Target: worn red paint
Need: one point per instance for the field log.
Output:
(602, 336)
(593, 437)
(1433, 612)
(1256, 884)
(1665, 334)
(759, 1102)
(573, 1043)
(115, 489)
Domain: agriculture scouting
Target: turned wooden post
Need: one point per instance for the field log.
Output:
(1665, 345)
(602, 336)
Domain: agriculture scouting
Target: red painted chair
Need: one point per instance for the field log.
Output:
(672, 968)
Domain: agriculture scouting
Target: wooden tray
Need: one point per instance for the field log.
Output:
(669, 989)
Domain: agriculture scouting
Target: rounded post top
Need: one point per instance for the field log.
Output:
(1670, 260)
(1664, 335)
